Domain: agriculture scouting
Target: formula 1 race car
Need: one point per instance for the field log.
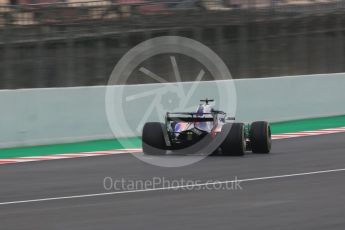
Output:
(206, 131)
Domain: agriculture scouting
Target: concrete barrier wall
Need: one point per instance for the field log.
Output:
(60, 115)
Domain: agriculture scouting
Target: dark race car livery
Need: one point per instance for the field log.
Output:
(205, 131)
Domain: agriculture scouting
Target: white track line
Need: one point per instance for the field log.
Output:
(173, 187)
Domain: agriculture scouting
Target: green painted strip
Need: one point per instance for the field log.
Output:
(308, 124)
(87, 146)
(281, 127)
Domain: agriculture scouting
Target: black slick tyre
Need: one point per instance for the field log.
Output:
(153, 141)
(260, 137)
(234, 143)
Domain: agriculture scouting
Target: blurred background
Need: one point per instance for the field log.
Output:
(53, 43)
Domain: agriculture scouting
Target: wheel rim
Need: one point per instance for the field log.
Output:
(269, 139)
(244, 143)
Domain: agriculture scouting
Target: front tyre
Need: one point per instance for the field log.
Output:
(260, 137)
(153, 141)
(234, 143)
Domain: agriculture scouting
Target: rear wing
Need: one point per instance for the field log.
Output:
(194, 117)
(189, 117)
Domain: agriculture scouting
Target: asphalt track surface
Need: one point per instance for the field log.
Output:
(315, 201)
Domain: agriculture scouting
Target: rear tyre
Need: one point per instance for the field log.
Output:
(260, 137)
(234, 143)
(153, 141)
